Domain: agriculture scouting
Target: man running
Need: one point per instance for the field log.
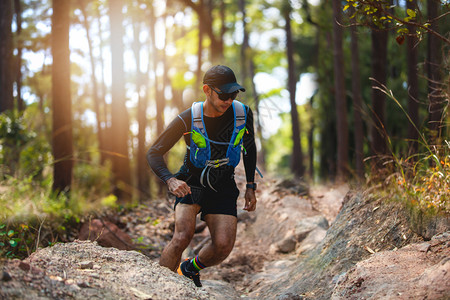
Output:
(215, 131)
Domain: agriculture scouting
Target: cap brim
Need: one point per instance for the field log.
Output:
(231, 88)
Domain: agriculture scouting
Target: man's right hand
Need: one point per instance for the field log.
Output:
(178, 187)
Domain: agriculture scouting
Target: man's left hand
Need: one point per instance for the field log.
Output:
(250, 200)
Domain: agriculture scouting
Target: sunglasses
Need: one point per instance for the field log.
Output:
(225, 96)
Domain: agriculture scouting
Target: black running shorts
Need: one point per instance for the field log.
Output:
(224, 201)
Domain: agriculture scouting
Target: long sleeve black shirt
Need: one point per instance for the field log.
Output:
(218, 129)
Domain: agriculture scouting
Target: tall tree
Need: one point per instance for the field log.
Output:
(18, 10)
(245, 44)
(95, 91)
(379, 63)
(119, 113)
(339, 90)
(6, 53)
(297, 154)
(158, 87)
(199, 56)
(248, 72)
(204, 12)
(433, 65)
(357, 101)
(61, 100)
(143, 178)
(413, 83)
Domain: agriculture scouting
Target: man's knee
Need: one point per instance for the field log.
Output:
(182, 239)
(223, 247)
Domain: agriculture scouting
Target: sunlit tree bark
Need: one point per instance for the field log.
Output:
(95, 91)
(62, 139)
(199, 57)
(204, 12)
(119, 113)
(158, 87)
(143, 178)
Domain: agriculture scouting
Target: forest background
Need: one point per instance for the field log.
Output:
(351, 91)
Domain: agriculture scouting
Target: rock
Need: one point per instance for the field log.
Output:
(424, 247)
(86, 265)
(286, 245)
(407, 273)
(137, 276)
(290, 296)
(6, 277)
(106, 234)
(220, 290)
(24, 266)
(312, 240)
(305, 226)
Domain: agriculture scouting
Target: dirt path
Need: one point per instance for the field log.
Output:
(266, 241)
(284, 250)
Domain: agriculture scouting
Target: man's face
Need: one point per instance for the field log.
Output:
(219, 105)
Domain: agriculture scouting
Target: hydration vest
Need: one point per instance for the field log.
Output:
(200, 146)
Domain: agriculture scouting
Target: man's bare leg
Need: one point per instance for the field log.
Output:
(184, 231)
(223, 235)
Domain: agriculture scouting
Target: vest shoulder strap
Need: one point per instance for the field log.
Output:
(197, 114)
(239, 113)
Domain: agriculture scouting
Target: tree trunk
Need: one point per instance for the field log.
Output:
(119, 114)
(357, 102)
(18, 9)
(413, 85)
(244, 47)
(261, 159)
(160, 105)
(6, 54)
(95, 91)
(339, 87)
(311, 143)
(204, 12)
(379, 61)
(61, 99)
(143, 177)
(104, 110)
(199, 58)
(297, 155)
(435, 93)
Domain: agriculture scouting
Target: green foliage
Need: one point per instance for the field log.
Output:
(14, 242)
(14, 135)
(384, 15)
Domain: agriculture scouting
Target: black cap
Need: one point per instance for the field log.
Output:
(223, 78)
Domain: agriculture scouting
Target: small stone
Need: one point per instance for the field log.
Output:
(424, 247)
(82, 284)
(287, 245)
(86, 265)
(6, 277)
(24, 266)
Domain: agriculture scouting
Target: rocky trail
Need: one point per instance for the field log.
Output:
(323, 242)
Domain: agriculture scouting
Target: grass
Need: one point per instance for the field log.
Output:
(421, 180)
(31, 215)
(425, 184)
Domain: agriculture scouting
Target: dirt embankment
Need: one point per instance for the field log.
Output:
(295, 246)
